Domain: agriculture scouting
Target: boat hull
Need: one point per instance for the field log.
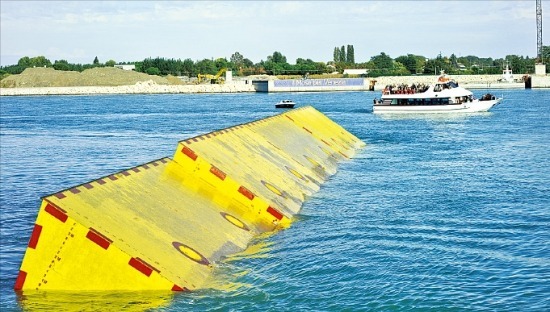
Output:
(469, 107)
(284, 106)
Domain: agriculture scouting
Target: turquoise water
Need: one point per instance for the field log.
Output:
(437, 213)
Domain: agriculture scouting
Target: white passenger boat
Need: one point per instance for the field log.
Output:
(445, 96)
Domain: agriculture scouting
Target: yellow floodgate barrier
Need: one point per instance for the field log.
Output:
(161, 225)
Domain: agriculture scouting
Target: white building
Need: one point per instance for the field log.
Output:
(126, 67)
(358, 72)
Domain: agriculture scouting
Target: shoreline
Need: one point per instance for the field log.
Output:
(150, 87)
(146, 87)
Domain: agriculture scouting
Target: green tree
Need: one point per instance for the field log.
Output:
(276, 64)
(248, 63)
(206, 66)
(342, 54)
(153, 71)
(96, 61)
(546, 55)
(383, 62)
(25, 61)
(409, 61)
(400, 69)
(238, 60)
(62, 65)
(350, 54)
(221, 63)
(38, 61)
(110, 63)
(336, 55)
(278, 58)
(188, 68)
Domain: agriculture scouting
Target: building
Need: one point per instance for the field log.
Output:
(126, 67)
(358, 72)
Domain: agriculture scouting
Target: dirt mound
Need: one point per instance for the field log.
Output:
(100, 76)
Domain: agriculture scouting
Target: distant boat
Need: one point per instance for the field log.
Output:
(445, 96)
(285, 104)
(507, 74)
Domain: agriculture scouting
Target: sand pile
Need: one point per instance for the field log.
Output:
(100, 76)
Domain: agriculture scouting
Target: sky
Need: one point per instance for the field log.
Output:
(127, 31)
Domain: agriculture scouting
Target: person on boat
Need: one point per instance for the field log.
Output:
(443, 77)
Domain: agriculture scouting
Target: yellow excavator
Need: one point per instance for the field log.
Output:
(213, 79)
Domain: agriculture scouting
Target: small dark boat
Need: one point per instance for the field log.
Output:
(285, 104)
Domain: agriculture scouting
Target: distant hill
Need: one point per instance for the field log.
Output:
(99, 76)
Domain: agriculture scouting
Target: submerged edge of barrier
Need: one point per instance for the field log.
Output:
(161, 225)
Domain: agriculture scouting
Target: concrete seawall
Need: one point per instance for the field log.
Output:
(466, 81)
(145, 87)
(306, 85)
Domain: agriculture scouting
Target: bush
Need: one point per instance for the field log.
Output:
(153, 71)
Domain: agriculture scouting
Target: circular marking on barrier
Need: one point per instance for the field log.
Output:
(236, 222)
(272, 188)
(191, 253)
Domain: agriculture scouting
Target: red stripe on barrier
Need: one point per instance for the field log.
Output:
(60, 195)
(145, 166)
(163, 161)
(346, 156)
(325, 142)
(189, 152)
(274, 212)
(147, 264)
(33, 241)
(58, 213)
(112, 177)
(307, 130)
(98, 238)
(178, 288)
(20, 281)
(88, 186)
(74, 190)
(136, 170)
(218, 173)
(289, 117)
(246, 192)
(126, 173)
(140, 266)
(100, 181)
